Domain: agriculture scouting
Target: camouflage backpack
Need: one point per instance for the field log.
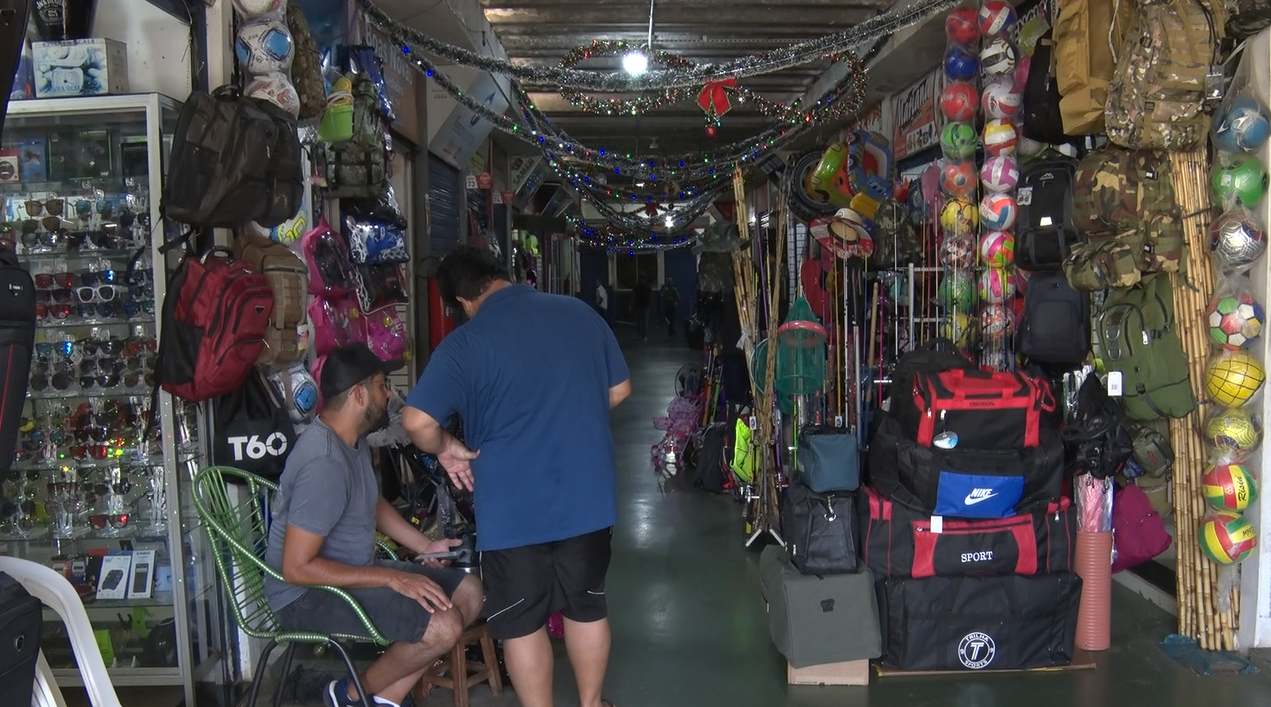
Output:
(1102, 264)
(1116, 191)
(1156, 99)
(895, 239)
(358, 167)
(306, 67)
(1248, 17)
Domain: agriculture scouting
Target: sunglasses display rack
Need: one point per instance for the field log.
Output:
(100, 480)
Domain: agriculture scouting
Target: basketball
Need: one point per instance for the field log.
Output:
(960, 63)
(997, 212)
(1229, 487)
(962, 26)
(1000, 137)
(1233, 377)
(1000, 174)
(957, 178)
(996, 18)
(998, 58)
(1227, 538)
(997, 249)
(1000, 99)
(957, 101)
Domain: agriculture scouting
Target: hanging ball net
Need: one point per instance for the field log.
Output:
(800, 347)
(759, 374)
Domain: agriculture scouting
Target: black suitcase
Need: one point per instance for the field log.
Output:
(17, 343)
(1007, 622)
(819, 530)
(21, 621)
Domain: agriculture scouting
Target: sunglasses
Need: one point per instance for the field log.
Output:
(53, 206)
(116, 521)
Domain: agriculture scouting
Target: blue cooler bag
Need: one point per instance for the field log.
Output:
(829, 459)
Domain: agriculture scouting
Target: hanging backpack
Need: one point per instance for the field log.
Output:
(215, 317)
(895, 239)
(1156, 99)
(288, 279)
(1118, 192)
(1055, 328)
(1095, 438)
(306, 67)
(358, 167)
(252, 430)
(234, 160)
(1136, 335)
(1088, 34)
(1105, 263)
(1045, 230)
(1248, 17)
(1042, 119)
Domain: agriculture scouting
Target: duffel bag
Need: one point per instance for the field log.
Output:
(932, 357)
(829, 460)
(966, 482)
(972, 408)
(1004, 622)
(899, 542)
(819, 530)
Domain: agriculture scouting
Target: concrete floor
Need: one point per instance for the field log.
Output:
(690, 630)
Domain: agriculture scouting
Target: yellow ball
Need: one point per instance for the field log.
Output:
(1232, 378)
(1227, 538)
(1233, 434)
(959, 217)
(1229, 487)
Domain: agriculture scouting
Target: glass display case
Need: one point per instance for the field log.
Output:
(102, 461)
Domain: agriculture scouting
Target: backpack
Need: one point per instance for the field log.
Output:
(1248, 17)
(1138, 531)
(358, 167)
(215, 318)
(1105, 263)
(1136, 334)
(1156, 99)
(1046, 231)
(1130, 193)
(1087, 33)
(1041, 119)
(288, 279)
(306, 67)
(234, 160)
(1096, 440)
(1055, 328)
(895, 240)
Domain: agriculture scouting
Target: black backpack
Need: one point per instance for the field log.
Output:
(711, 465)
(234, 160)
(1096, 440)
(1046, 230)
(1042, 121)
(1055, 328)
(21, 627)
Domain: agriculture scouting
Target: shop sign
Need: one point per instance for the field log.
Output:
(520, 169)
(872, 121)
(509, 198)
(485, 181)
(917, 120)
(399, 78)
(470, 181)
(464, 130)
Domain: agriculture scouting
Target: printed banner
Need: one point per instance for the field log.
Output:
(915, 113)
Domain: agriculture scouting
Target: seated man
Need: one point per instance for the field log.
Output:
(323, 533)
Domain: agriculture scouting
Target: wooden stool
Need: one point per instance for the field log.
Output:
(459, 674)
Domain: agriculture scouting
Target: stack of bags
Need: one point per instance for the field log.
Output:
(964, 523)
(821, 609)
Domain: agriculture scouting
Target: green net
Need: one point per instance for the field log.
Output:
(759, 373)
(800, 347)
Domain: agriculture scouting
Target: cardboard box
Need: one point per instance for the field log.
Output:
(142, 577)
(852, 672)
(115, 577)
(80, 67)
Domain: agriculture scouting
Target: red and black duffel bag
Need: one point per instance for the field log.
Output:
(899, 542)
(975, 409)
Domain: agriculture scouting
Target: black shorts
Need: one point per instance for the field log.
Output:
(526, 585)
(395, 616)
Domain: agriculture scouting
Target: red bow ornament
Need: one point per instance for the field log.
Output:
(652, 208)
(714, 97)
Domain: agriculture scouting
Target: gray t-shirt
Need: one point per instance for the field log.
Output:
(327, 488)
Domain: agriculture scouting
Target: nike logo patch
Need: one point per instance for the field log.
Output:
(978, 495)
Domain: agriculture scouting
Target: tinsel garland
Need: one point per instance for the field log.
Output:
(790, 56)
(615, 238)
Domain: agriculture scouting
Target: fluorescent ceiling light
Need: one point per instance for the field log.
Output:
(635, 63)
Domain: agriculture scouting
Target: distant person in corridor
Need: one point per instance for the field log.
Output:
(533, 377)
(670, 300)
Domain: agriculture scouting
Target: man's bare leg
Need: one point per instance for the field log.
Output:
(390, 677)
(529, 664)
(588, 647)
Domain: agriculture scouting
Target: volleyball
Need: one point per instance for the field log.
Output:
(1000, 137)
(962, 26)
(256, 8)
(1235, 321)
(1000, 174)
(1233, 377)
(958, 216)
(997, 249)
(957, 101)
(996, 286)
(960, 63)
(263, 45)
(957, 178)
(998, 58)
(996, 319)
(1233, 434)
(956, 290)
(1227, 538)
(1000, 99)
(957, 141)
(996, 18)
(997, 212)
(958, 252)
(277, 89)
(1229, 487)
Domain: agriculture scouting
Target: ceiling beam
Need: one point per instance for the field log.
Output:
(695, 41)
(782, 5)
(676, 16)
(611, 64)
(586, 31)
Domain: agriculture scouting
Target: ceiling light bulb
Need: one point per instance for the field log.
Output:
(635, 63)
(670, 222)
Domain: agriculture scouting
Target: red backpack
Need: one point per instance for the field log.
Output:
(215, 316)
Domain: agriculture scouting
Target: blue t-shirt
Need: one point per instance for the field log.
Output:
(529, 376)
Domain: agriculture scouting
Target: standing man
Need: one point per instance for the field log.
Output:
(533, 377)
(641, 300)
(670, 299)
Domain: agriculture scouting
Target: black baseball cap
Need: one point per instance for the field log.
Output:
(348, 365)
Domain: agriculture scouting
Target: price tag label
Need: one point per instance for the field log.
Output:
(1115, 384)
(937, 524)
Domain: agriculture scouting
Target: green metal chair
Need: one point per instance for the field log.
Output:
(238, 534)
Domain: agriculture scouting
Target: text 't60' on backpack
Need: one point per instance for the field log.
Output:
(215, 317)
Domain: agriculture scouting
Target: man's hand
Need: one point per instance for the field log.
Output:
(423, 590)
(443, 545)
(456, 459)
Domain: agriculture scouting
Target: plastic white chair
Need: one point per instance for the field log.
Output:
(52, 588)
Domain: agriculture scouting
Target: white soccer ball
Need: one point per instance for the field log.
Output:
(264, 46)
(256, 8)
(277, 89)
(304, 392)
(998, 58)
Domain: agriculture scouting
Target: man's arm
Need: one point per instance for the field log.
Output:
(392, 524)
(428, 435)
(302, 565)
(619, 393)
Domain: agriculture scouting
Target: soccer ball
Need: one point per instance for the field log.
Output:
(958, 141)
(957, 252)
(1236, 241)
(957, 328)
(1243, 126)
(997, 58)
(958, 178)
(959, 216)
(960, 64)
(962, 25)
(1235, 321)
(1233, 434)
(264, 46)
(957, 101)
(256, 8)
(277, 89)
(304, 392)
(956, 290)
